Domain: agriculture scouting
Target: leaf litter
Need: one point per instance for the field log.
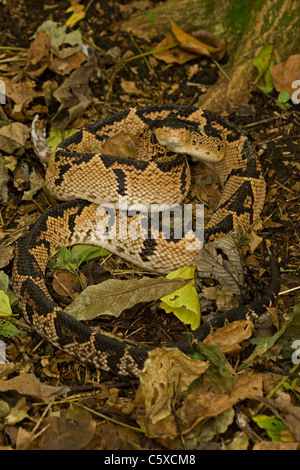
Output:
(181, 402)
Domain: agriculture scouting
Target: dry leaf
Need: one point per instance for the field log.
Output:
(224, 298)
(113, 296)
(4, 179)
(120, 145)
(131, 88)
(285, 73)
(230, 336)
(36, 183)
(64, 283)
(65, 66)
(206, 400)
(74, 94)
(267, 445)
(13, 136)
(191, 46)
(73, 432)
(166, 373)
(254, 241)
(6, 253)
(38, 56)
(173, 55)
(28, 384)
(21, 93)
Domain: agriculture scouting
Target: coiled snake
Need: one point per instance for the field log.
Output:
(85, 166)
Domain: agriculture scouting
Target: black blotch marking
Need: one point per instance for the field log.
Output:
(149, 247)
(73, 139)
(236, 202)
(121, 181)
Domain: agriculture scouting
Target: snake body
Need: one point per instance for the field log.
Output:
(87, 173)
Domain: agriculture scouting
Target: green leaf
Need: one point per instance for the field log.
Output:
(264, 61)
(4, 285)
(184, 302)
(84, 253)
(63, 260)
(56, 136)
(70, 260)
(8, 329)
(150, 15)
(284, 97)
(5, 308)
(282, 100)
(271, 425)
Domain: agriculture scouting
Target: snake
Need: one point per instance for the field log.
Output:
(138, 156)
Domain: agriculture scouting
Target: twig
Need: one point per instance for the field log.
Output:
(153, 51)
(10, 48)
(220, 68)
(289, 290)
(140, 51)
(112, 420)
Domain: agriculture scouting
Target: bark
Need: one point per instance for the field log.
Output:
(247, 25)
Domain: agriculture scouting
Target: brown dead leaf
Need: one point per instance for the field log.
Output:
(74, 94)
(28, 384)
(73, 432)
(64, 283)
(206, 400)
(285, 73)
(22, 94)
(275, 315)
(113, 296)
(121, 145)
(209, 45)
(191, 46)
(13, 136)
(65, 66)
(6, 255)
(4, 179)
(267, 445)
(114, 437)
(254, 241)
(172, 55)
(38, 56)
(224, 298)
(166, 374)
(230, 336)
(130, 87)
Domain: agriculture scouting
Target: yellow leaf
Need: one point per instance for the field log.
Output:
(184, 302)
(191, 41)
(77, 15)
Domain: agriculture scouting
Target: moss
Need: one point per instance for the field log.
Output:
(239, 15)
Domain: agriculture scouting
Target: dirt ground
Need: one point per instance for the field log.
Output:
(48, 399)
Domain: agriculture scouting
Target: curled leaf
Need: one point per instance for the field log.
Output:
(190, 46)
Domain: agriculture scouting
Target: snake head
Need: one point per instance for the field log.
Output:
(172, 138)
(181, 138)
